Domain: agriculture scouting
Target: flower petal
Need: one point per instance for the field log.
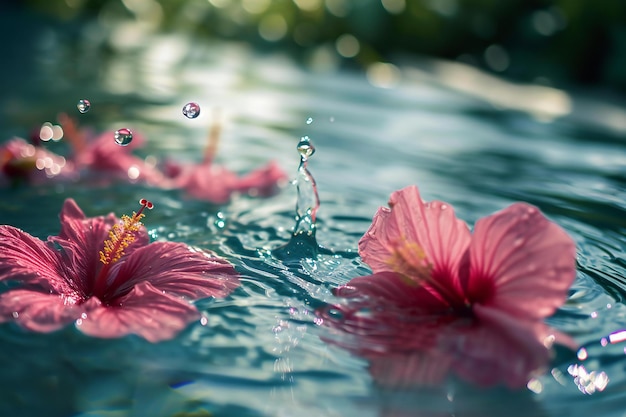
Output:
(208, 182)
(263, 181)
(174, 268)
(145, 311)
(39, 312)
(520, 262)
(29, 260)
(385, 314)
(432, 226)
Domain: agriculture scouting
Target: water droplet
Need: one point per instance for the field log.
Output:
(83, 106)
(191, 110)
(15, 314)
(309, 120)
(123, 137)
(582, 354)
(594, 314)
(305, 148)
(204, 321)
(604, 341)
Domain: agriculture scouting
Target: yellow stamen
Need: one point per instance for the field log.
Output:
(409, 260)
(122, 235)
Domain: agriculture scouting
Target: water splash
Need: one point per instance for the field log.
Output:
(308, 199)
(303, 243)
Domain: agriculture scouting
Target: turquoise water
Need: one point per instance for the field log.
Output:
(260, 354)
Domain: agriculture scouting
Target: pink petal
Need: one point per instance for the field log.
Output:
(103, 154)
(29, 260)
(177, 269)
(263, 181)
(208, 182)
(39, 312)
(145, 311)
(386, 314)
(433, 226)
(388, 289)
(520, 262)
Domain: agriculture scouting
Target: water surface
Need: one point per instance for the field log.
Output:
(260, 354)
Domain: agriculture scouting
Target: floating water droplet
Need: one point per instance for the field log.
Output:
(582, 354)
(309, 120)
(305, 148)
(15, 314)
(83, 106)
(123, 137)
(191, 110)
(204, 321)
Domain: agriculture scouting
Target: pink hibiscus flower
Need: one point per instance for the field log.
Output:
(102, 155)
(211, 182)
(103, 274)
(443, 301)
(21, 161)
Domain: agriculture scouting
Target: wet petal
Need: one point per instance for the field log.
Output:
(40, 312)
(264, 181)
(208, 182)
(29, 260)
(146, 311)
(177, 269)
(432, 226)
(384, 314)
(520, 262)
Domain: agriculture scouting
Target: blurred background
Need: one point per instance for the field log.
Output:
(561, 43)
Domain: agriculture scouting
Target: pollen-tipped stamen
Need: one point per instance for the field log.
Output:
(121, 236)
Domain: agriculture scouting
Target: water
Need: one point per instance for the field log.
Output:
(83, 106)
(191, 110)
(123, 137)
(259, 352)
